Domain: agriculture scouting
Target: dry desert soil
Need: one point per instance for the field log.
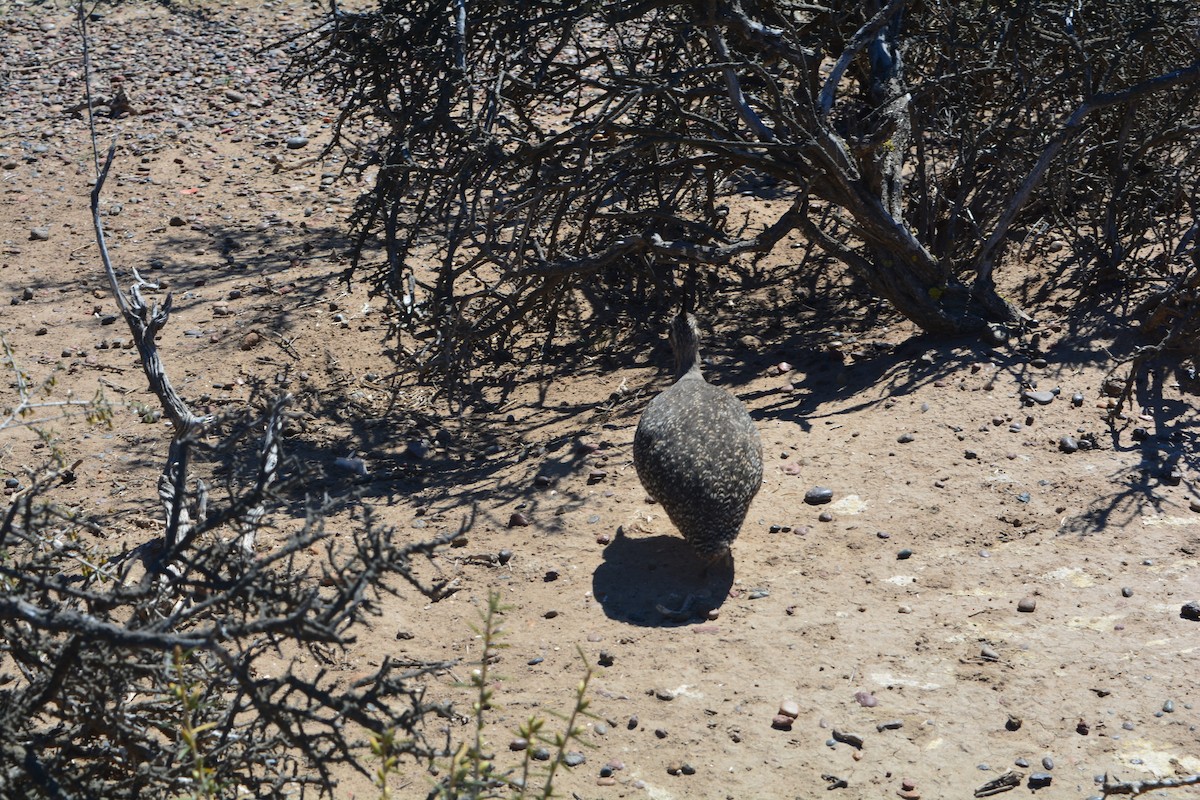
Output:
(891, 617)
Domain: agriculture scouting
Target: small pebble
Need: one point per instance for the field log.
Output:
(600, 728)
(988, 654)
(296, 142)
(687, 769)
(866, 699)
(782, 722)
(518, 520)
(660, 733)
(825, 516)
(1126, 591)
(505, 556)
(1191, 610)
(1041, 398)
(1048, 763)
(39, 234)
(1022, 762)
(905, 438)
(517, 745)
(541, 754)
(605, 659)
(1039, 780)
(1077, 399)
(633, 722)
(1169, 706)
(818, 495)
(573, 759)
(789, 708)
(1027, 605)
(904, 554)
(1068, 444)
(664, 694)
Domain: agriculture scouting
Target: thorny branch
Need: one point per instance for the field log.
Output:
(95, 644)
(552, 169)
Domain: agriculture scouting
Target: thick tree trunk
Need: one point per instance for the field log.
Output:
(866, 178)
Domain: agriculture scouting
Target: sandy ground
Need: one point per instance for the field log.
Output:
(890, 617)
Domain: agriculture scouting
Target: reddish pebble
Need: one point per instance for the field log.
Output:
(518, 520)
(782, 722)
(908, 784)
(866, 699)
(603, 538)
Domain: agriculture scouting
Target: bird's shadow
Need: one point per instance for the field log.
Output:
(659, 581)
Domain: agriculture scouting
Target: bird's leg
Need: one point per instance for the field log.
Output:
(725, 559)
(684, 612)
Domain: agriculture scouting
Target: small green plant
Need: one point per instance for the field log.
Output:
(383, 747)
(33, 397)
(472, 773)
(190, 695)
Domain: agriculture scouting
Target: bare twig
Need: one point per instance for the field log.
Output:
(1113, 786)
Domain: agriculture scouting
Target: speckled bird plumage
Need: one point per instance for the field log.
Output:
(697, 451)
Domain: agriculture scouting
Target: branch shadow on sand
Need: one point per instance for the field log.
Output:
(659, 581)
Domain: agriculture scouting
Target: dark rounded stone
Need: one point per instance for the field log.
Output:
(1041, 398)
(818, 495)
